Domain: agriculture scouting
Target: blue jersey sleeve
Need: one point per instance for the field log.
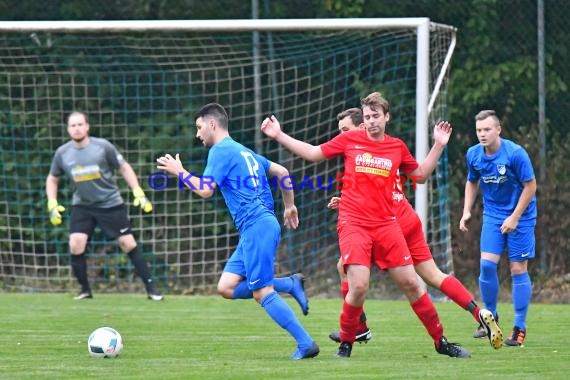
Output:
(472, 174)
(522, 165)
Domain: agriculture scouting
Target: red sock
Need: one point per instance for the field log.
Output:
(344, 291)
(349, 321)
(454, 289)
(344, 288)
(427, 314)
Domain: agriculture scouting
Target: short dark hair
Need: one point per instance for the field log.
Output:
(215, 111)
(355, 115)
(376, 102)
(484, 114)
(77, 113)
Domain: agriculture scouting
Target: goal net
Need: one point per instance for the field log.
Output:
(141, 83)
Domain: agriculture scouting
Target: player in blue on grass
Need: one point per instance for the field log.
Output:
(504, 173)
(249, 272)
(89, 162)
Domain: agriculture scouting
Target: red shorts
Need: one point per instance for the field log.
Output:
(411, 226)
(383, 245)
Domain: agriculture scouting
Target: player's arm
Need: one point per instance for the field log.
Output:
(129, 175)
(529, 190)
(471, 189)
(52, 185)
(441, 133)
(173, 165)
(271, 127)
(291, 216)
(132, 181)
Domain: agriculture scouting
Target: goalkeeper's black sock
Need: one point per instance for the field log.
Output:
(79, 268)
(142, 269)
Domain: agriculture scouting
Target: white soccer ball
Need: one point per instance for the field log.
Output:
(105, 342)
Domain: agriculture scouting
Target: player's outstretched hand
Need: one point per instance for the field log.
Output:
(334, 203)
(170, 164)
(442, 132)
(271, 127)
(463, 222)
(291, 217)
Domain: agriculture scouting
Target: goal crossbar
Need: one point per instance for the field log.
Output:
(218, 25)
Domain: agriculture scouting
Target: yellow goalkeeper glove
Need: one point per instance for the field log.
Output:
(55, 211)
(141, 200)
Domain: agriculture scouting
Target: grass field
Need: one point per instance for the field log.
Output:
(44, 336)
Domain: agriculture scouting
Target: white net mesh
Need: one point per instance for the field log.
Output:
(141, 91)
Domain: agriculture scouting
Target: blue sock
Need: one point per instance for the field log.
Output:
(522, 292)
(242, 291)
(489, 285)
(284, 316)
(283, 284)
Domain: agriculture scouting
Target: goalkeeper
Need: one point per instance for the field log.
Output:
(90, 162)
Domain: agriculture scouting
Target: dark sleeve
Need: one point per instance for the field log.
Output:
(56, 168)
(112, 155)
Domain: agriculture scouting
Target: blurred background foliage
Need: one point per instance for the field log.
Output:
(494, 67)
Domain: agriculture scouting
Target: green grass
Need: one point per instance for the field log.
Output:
(185, 337)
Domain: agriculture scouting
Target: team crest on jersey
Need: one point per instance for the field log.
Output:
(502, 169)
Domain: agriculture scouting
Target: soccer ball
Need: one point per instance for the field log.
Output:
(105, 342)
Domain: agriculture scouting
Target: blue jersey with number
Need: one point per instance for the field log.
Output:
(241, 176)
(501, 179)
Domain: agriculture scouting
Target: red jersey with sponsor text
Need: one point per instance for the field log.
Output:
(403, 206)
(370, 171)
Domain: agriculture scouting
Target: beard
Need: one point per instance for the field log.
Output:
(79, 140)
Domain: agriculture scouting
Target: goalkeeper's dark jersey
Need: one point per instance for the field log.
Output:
(91, 171)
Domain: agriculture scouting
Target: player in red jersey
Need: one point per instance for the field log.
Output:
(349, 120)
(424, 265)
(367, 229)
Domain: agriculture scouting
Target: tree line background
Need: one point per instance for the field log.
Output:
(495, 66)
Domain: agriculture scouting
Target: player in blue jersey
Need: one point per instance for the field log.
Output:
(504, 173)
(240, 174)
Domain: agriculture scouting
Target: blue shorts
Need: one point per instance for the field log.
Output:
(254, 257)
(520, 243)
